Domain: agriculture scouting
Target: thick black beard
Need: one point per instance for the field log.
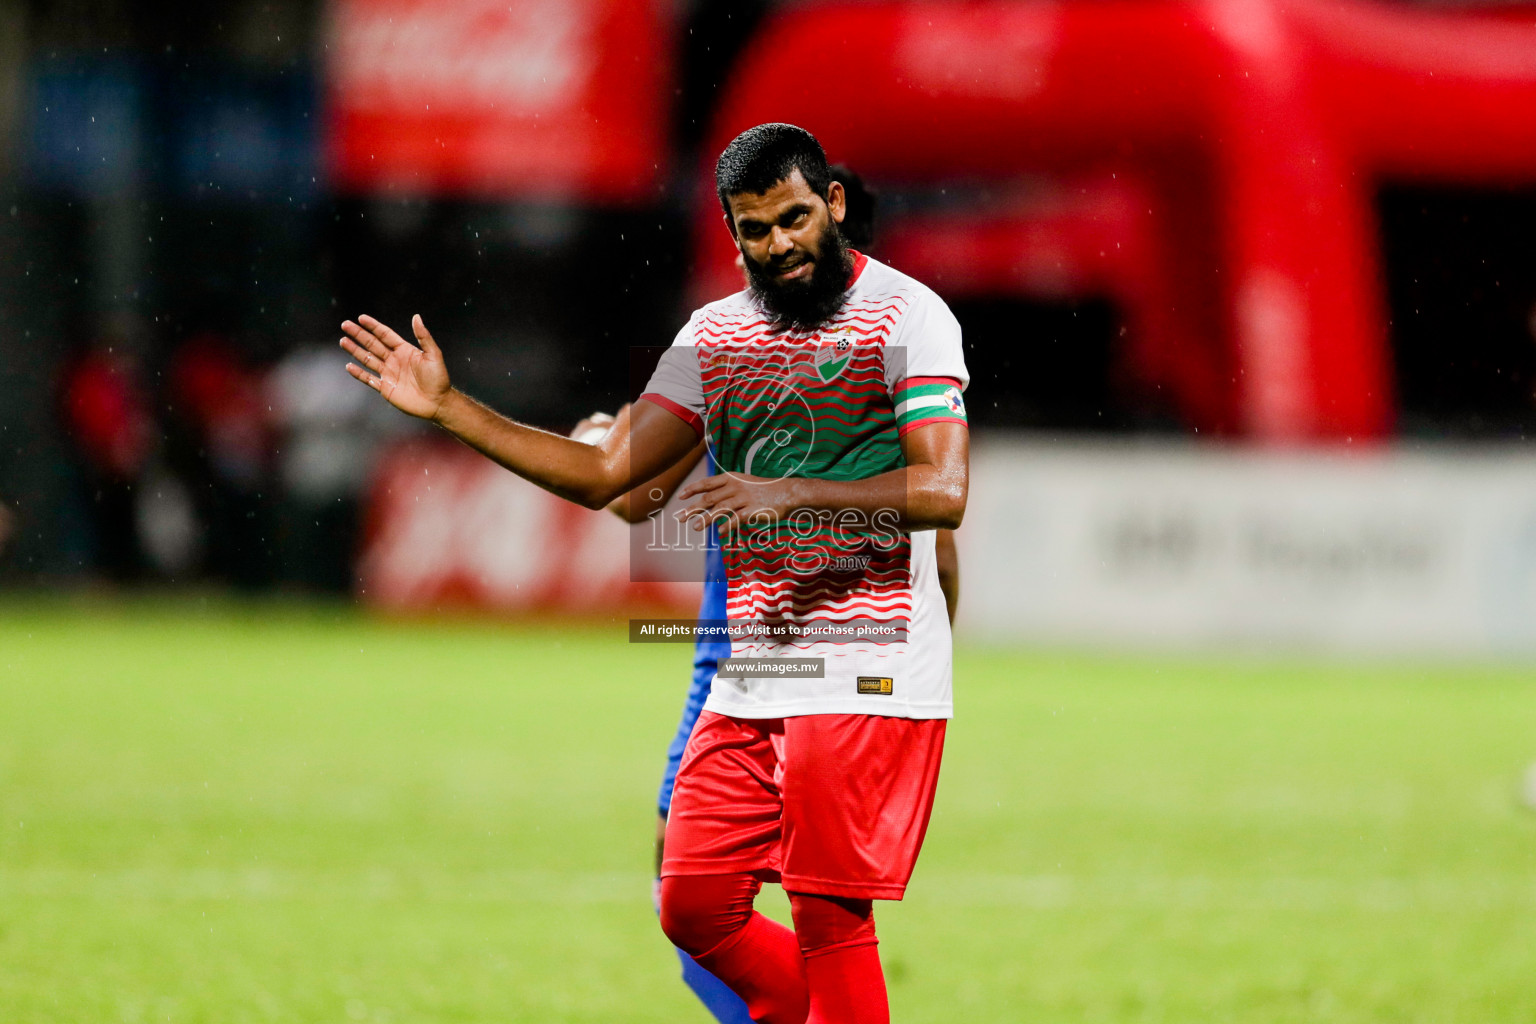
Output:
(804, 305)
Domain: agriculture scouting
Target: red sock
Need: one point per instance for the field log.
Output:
(710, 917)
(842, 959)
(761, 963)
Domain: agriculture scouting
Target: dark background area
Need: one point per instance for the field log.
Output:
(1461, 279)
(163, 206)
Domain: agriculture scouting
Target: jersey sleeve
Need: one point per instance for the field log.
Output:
(926, 374)
(676, 385)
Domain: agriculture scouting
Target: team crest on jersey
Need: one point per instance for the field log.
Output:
(832, 358)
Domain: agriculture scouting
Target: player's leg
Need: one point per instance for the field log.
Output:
(718, 999)
(711, 918)
(842, 959)
(722, 836)
(858, 791)
(723, 1004)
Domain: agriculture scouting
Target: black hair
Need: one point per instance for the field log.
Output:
(858, 225)
(759, 158)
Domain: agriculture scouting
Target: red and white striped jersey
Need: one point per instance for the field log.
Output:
(831, 403)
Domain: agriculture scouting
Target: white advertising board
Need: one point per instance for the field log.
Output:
(1377, 551)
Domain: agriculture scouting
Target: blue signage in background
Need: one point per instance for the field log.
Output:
(101, 126)
(86, 126)
(247, 136)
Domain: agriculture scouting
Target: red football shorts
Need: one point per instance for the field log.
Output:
(833, 805)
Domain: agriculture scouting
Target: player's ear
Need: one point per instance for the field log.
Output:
(730, 224)
(837, 201)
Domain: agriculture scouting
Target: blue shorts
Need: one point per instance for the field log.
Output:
(706, 660)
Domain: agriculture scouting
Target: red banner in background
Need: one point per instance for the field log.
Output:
(556, 99)
(447, 528)
(450, 529)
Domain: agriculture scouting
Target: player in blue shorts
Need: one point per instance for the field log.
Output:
(712, 992)
(635, 507)
(647, 500)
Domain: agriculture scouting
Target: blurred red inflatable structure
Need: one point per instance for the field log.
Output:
(1228, 152)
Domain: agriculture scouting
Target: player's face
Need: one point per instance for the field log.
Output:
(794, 256)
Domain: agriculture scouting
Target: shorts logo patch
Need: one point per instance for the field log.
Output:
(876, 684)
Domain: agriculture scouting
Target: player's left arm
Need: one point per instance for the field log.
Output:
(928, 493)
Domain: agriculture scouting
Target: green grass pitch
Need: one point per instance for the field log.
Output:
(304, 814)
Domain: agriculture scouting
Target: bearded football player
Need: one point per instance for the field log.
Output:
(828, 393)
(648, 500)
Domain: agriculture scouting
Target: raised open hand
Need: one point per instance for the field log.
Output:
(414, 380)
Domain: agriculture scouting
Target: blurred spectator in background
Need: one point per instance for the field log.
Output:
(220, 409)
(329, 431)
(108, 421)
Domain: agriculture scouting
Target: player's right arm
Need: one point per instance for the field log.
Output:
(642, 443)
(649, 498)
